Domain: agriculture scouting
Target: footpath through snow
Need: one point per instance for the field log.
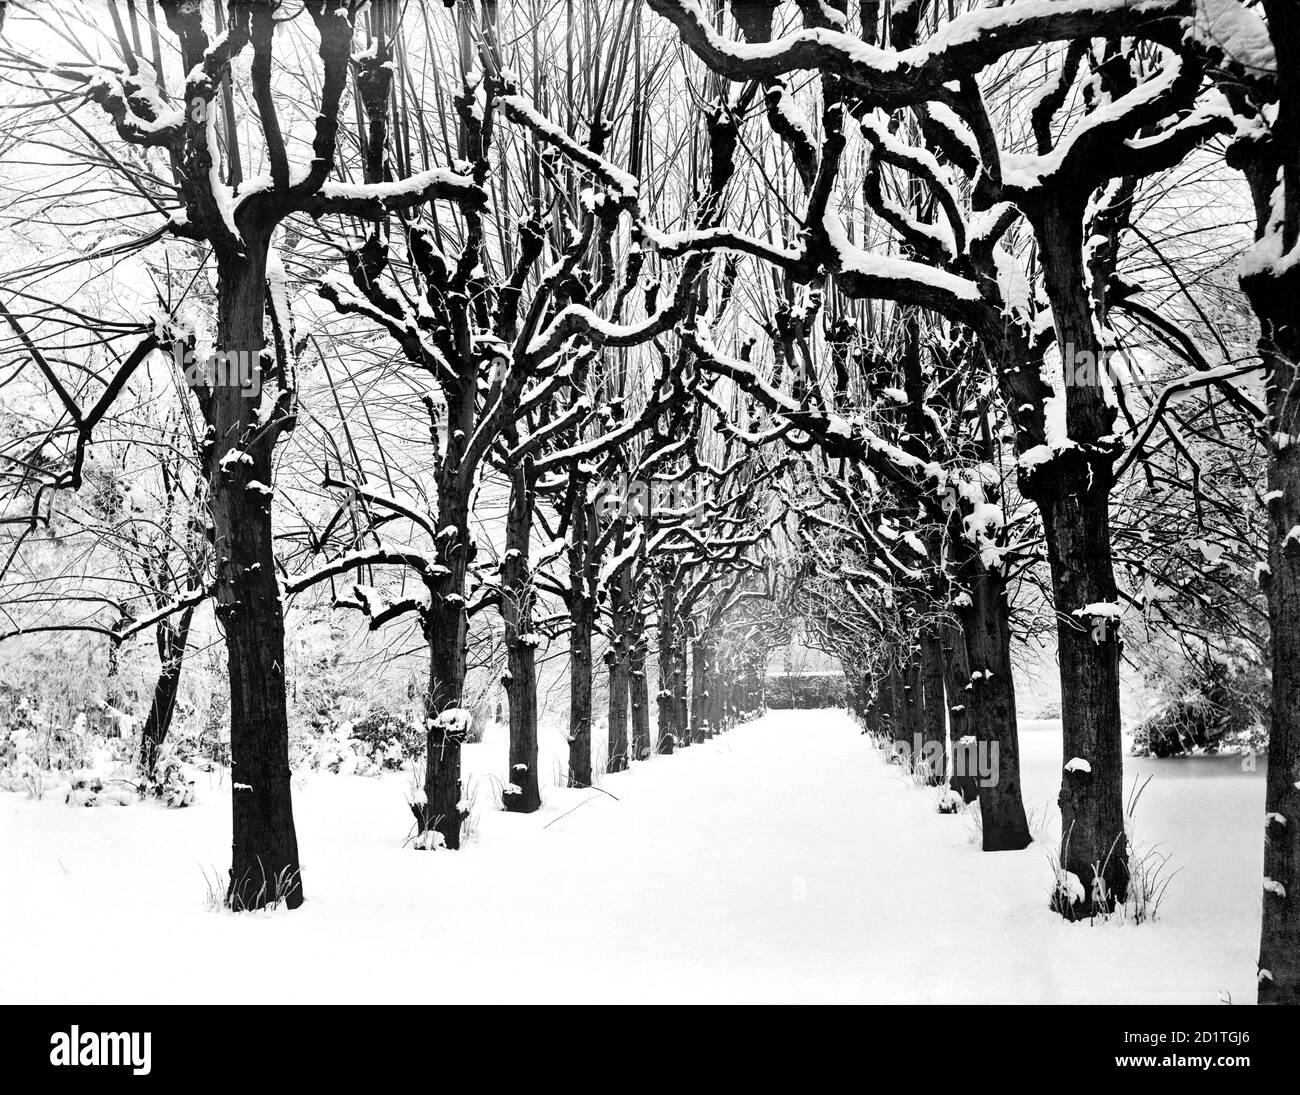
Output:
(783, 861)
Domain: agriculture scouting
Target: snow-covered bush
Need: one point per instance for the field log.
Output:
(87, 788)
(390, 738)
(331, 749)
(806, 690)
(948, 801)
(379, 740)
(170, 783)
(1068, 890)
(1220, 707)
(37, 753)
(22, 773)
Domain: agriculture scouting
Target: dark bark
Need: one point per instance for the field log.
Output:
(715, 692)
(1273, 293)
(866, 704)
(113, 694)
(618, 661)
(699, 689)
(1279, 950)
(908, 731)
(172, 640)
(670, 732)
(517, 597)
(264, 853)
(889, 703)
(681, 699)
(446, 630)
(582, 620)
(1072, 491)
(991, 699)
(1091, 799)
(958, 688)
(639, 694)
(934, 719)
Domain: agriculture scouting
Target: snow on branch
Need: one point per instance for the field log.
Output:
(834, 433)
(862, 273)
(1235, 31)
(961, 47)
(371, 201)
(519, 110)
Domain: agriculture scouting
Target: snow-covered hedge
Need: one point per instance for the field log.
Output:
(806, 690)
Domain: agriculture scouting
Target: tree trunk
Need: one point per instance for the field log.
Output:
(865, 705)
(264, 850)
(582, 624)
(724, 687)
(669, 731)
(617, 662)
(961, 714)
(889, 702)
(523, 794)
(1091, 799)
(172, 641)
(582, 619)
(699, 689)
(1072, 491)
(991, 699)
(681, 700)
(446, 630)
(1279, 950)
(113, 695)
(639, 693)
(934, 717)
(1273, 290)
(716, 690)
(908, 731)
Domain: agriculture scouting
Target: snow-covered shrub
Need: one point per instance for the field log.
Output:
(379, 740)
(1069, 896)
(36, 753)
(331, 749)
(170, 784)
(1220, 707)
(1213, 696)
(87, 788)
(948, 801)
(22, 773)
(1068, 890)
(429, 841)
(806, 690)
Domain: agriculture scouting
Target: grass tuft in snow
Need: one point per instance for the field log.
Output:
(250, 894)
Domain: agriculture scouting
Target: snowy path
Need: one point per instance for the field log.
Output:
(782, 861)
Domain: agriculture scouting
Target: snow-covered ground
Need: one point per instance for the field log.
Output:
(783, 861)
